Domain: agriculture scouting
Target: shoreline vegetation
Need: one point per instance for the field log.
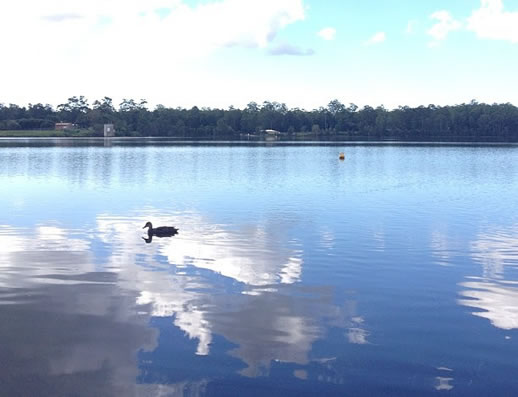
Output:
(46, 134)
(271, 120)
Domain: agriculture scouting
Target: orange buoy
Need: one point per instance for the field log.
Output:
(342, 156)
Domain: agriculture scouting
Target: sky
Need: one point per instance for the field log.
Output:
(221, 53)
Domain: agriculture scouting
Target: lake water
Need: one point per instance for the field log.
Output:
(394, 272)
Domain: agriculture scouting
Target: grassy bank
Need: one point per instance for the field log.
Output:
(45, 134)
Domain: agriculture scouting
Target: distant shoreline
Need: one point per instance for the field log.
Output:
(45, 134)
(241, 141)
(471, 122)
(283, 137)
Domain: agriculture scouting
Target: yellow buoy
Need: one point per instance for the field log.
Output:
(342, 156)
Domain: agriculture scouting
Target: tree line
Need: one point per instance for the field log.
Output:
(468, 121)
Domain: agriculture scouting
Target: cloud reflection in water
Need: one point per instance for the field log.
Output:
(266, 314)
(68, 327)
(100, 288)
(496, 296)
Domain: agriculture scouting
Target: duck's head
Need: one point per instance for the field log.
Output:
(148, 224)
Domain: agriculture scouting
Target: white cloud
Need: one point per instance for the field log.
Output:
(228, 22)
(289, 49)
(446, 24)
(490, 21)
(410, 27)
(97, 47)
(379, 37)
(327, 33)
(236, 22)
(61, 17)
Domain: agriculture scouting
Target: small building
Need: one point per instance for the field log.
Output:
(64, 126)
(272, 132)
(109, 130)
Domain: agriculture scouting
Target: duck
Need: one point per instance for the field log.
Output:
(162, 231)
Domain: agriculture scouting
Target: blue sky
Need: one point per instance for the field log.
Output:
(230, 52)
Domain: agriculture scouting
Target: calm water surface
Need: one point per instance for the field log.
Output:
(394, 272)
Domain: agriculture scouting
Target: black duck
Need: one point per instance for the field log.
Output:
(162, 231)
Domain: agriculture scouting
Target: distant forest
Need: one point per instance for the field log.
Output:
(465, 122)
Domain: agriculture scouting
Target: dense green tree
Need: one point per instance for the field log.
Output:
(467, 121)
(40, 111)
(74, 111)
